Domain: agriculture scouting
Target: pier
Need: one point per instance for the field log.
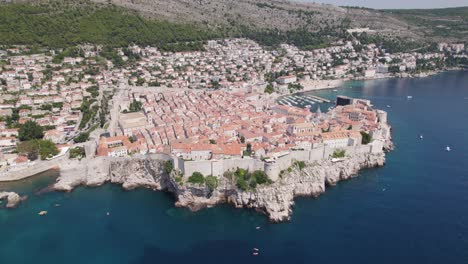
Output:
(320, 99)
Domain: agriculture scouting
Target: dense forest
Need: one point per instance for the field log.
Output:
(57, 24)
(60, 24)
(65, 23)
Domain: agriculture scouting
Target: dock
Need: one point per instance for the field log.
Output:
(320, 99)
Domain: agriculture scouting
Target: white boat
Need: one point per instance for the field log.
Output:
(409, 97)
(335, 90)
(421, 136)
(448, 148)
(388, 106)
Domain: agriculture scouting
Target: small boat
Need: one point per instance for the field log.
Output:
(409, 97)
(388, 106)
(255, 253)
(257, 227)
(41, 213)
(421, 137)
(255, 249)
(448, 149)
(107, 213)
(335, 90)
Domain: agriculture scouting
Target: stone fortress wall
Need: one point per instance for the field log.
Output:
(271, 167)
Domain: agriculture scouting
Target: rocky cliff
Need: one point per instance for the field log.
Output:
(275, 199)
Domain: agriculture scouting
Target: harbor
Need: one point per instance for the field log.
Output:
(302, 100)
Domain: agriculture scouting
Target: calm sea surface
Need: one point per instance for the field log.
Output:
(413, 210)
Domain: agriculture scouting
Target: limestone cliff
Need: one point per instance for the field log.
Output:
(275, 199)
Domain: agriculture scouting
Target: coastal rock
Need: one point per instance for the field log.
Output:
(12, 198)
(129, 172)
(133, 173)
(275, 200)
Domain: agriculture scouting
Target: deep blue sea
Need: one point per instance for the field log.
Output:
(413, 210)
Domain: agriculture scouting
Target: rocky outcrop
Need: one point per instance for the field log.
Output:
(12, 199)
(129, 172)
(133, 173)
(275, 200)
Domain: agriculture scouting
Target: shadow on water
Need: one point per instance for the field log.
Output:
(36, 184)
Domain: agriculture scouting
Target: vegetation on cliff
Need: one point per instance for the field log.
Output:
(339, 154)
(366, 138)
(246, 180)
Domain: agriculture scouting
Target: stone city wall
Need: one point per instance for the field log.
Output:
(272, 169)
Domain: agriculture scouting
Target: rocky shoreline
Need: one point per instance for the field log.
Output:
(13, 199)
(275, 200)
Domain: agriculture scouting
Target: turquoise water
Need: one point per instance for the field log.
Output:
(413, 210)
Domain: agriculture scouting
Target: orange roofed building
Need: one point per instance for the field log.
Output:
(120, 146)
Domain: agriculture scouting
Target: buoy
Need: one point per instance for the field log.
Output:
(42, 213)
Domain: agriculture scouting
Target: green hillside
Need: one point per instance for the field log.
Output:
(64, 24)
(445, 22)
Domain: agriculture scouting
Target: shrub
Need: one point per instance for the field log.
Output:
(168, 166)
(77, 153)
(30, 130)
(269, 89)
(135, 106)
(366, 138)
(339, 154)
(178, 179)
(246, 180)
(242, 184)
(82, 137)
(196, 178)
(300, 164)
(260, 177)
(211, 182)
(34, 148)
(47, 149)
